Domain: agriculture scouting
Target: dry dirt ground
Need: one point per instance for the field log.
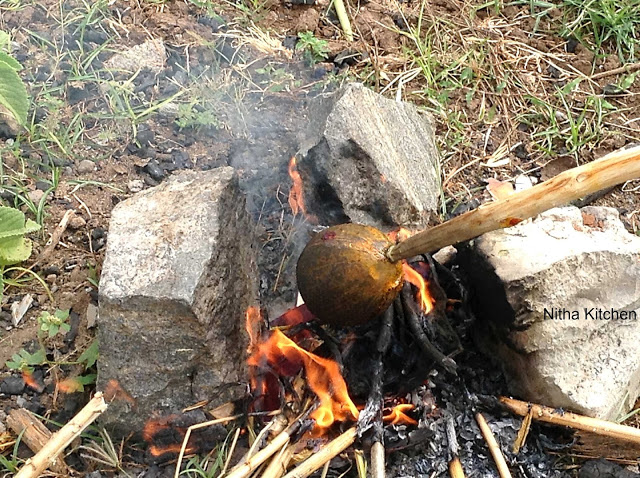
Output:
(515, 90)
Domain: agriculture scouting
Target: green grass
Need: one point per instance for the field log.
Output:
(603, 24)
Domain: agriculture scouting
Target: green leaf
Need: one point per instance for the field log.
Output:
(13, 94)
(62, 314)
(64, 328)
(53, 330)
(90, 355)
(14, 250)
(12, 223)
(626, 83)
(11, 61)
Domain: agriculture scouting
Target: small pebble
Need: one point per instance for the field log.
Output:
(51, 278)
(92, 315)
(86, 166)
(154, 170)
(35, 196)
(77, 222)
(135, 185)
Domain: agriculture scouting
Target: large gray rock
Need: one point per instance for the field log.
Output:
(177, 278)
(372, 158)
(547, 291)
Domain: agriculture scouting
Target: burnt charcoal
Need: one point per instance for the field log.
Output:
(74, 322)
(98, 233)
(554, 72)
(465, 207)
(12, 385)
(604, 469)
(154, 170)
(521, 152)
(95, 36)
(145, 137)
(290, 42)
(571, 44)
(76, 95)
(43, 185)
(346, 57)
(300, 2)
(215, 23)
(401, 22)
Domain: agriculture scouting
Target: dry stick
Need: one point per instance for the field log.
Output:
(494, 448)
(35, 435)
(572, 420)
(197, 426)
(378, 467)
(249, 466)
(278, 465)
(341, 12)
(328, 452)
(523, 432)
(455, 466)
(35, 465)
(610, 170)
(629, 68)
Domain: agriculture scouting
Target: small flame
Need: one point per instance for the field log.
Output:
(424, 296)
(285, 357)
(253, 325)
(31, 382)
(296, 199)
(157, 429)
(397, 415)
(400, 234)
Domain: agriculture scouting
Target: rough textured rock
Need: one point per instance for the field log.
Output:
(572, 264)
(369, 159)
(177, 278)
(150, 54)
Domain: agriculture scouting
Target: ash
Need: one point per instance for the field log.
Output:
(478, 383)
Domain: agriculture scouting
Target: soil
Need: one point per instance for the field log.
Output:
(256, 88)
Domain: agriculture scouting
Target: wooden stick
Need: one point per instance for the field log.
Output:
(35, 465)
(343, 18)
(243, 470)
(610, 170)
(278, 465)
(573, 420)
(56, 236)
(494, 448)
(378, 468)
(331, 450)
(523, 432)
(455, 468)
(35, 435)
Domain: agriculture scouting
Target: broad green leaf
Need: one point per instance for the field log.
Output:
(627, 81)
(14, 250)
(13, 94)
(90, 355)
(62, 314)
(11, 222)
(11, 61)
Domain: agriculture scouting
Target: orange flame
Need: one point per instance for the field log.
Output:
(157, 427)
(296, 199)
(424, 296)
(400, 234)
(323, 377)
(397, 415)
(31, 382)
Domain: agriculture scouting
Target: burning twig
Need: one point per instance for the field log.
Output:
(251, 464)
(34, 466)
(494, 448)
(331, 450)
(35, 435)
(425, 344)
(197, 426)
(455, 466)
(572, 420)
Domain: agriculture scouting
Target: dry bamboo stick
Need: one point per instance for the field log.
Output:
(573, 420)
(378, 469)
(278, 465)
(455, 468)
(35, 435)
(250, 465)
(523, 432)
(610, 170)
(331, 450)
(35, 465)
(494, 448)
